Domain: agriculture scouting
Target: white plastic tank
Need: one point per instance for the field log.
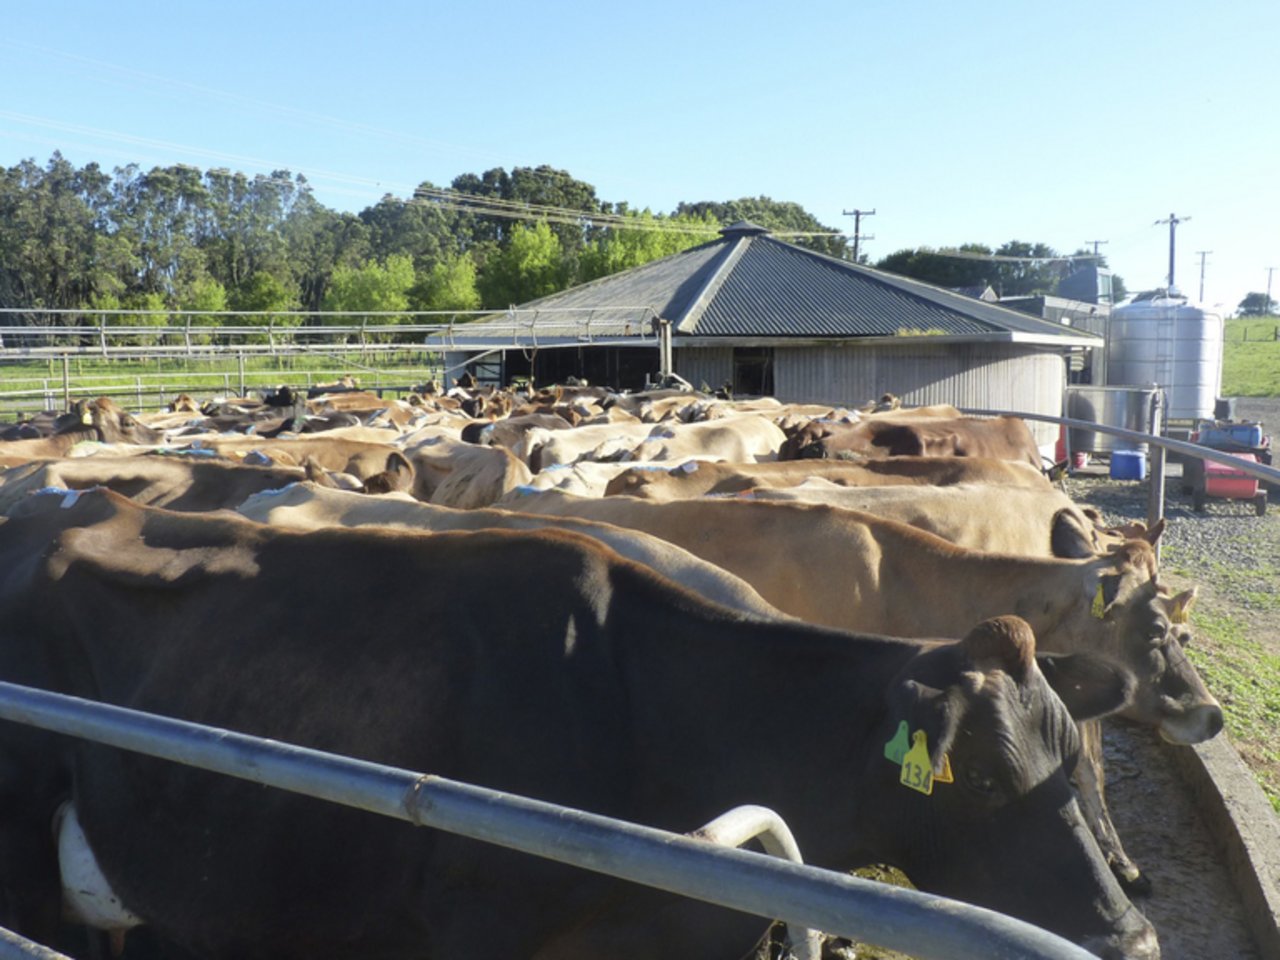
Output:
(1172, 343)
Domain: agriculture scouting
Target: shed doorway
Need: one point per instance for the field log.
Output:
(753, 371)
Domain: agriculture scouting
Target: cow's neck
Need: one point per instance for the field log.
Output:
(791, 705)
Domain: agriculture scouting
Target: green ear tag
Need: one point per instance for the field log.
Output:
(1099, 607)
(917, 772)
(896, 748)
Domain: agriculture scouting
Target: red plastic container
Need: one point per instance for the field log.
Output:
(1228, 483)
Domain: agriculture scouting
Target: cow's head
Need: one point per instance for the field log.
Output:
(1005, 831)
(1123, 613)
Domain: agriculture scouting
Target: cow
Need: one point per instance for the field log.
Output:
(306, 506)
(360, 458)
(509, 432)
(1036, 523)
(855, 571)
(586, 478)
(179, 483)
(745, 438)
(595, 683)
(1004, 438)
(541, 448)
(453, 473)
(94, 421)
(695, 479)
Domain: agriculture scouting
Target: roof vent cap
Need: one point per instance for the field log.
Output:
(743, 228)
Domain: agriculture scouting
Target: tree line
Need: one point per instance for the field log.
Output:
(178, 238)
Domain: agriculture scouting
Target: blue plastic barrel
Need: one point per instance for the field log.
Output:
(1128, 465)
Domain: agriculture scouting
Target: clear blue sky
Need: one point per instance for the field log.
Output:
(957, 122)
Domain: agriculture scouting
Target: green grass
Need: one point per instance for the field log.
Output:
(1246, 680)
(1251, 357)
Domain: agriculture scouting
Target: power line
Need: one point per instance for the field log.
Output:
(1001, 258)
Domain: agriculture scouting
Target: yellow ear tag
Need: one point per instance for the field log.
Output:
(1180, 614)
(1099, 607)
(945, 776)
(896, 748)
(917, 772)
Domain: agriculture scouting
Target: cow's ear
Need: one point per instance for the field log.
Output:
(1103, 594)
(1068, 538)
(936, 713)
(1088, 686)
(1153, 533)
(1180, 605)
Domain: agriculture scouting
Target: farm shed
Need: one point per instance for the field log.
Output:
(768, 317)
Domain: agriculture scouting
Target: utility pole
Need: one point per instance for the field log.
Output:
(1097, 244)
(1267, 305)
(857, 227)
(1173, 222)
(1202, 254)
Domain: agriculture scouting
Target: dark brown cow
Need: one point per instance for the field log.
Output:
(593, 683)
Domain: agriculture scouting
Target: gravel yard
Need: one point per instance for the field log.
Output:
(1233, 557)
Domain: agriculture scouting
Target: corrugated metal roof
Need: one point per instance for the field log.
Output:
(750, 284)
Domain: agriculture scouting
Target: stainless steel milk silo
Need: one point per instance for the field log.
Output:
(1171, 343)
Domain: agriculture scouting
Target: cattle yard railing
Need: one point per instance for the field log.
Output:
(1160, 447)
(806, 898)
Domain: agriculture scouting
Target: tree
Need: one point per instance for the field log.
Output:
(208, 294)
(1256, 305)
(532, 265)
(1014, 269)
(51, 223)
(449, 285)
(151, 314)
(271, 301)
(777, 215)
(621, 248)
(929, 266)
(530, 188)
(376, 287)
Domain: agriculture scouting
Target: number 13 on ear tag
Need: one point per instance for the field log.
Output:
(917, 770)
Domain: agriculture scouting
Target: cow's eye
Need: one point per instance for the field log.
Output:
(980, 783)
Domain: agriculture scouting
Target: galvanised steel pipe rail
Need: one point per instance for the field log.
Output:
(927, 927)
(1259, 471)
(14, 947)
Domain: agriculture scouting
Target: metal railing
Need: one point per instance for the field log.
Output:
(1160, 447)
(923, 925)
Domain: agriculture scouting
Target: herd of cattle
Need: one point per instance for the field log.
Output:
(887, 625)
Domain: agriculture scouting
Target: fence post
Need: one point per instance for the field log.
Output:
(66, 382)
(137, 384)
(1155, 492)
(240, 363)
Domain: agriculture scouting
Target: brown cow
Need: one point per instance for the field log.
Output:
(177, 483)
(1004, 438)
(305, 506)
(700, 478)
